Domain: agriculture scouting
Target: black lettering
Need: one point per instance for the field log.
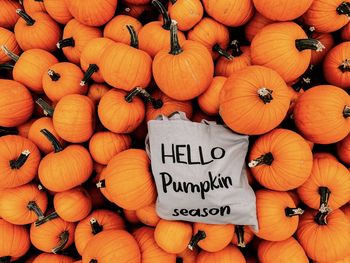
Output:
(189, 157)
(224, 209)
(214, 211)
(212, 180)
(166, 183)
(201, 156)
(220, 155)
(176, 212)
(178, 154)
(193, 187)
(167, 155)
(227, 181)
(184, 212)
(177, 187)
(195, 212)
(205, 212)
(205, 187)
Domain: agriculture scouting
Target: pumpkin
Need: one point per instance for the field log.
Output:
(119, 112)
(336, 66)
(52, 236)
(346, 210)
(345, 32)
(166, 106)
(209, 100)
(92, 13)
(33, 6)
(137, 11)
(187, 256)
(97, 198)
(327, 41)
(112, 246)
(23, 129)
(66, 168)
(186, 12)
(98, 221)
(231, 13)
(90, 59)
(129, 180)
(288, 250)
(117, 31)
(324, 120)
(211, 237)
(58, 10)
(281, 160)
(328, 186)
(8, 16)
(7, 38)
(14, 241)
(322, 155)
(257, 94)
(74, 118)
(343, 150)
(240, 59)
(291, 52)
(213, 35)
(103, 146)
(277, 216)
(96, 91)
(148, 215)
(173, 236)
(332, 241)
(45, 257)
(62, 79)
(226, 255)
(16, 103)
(101, 185)
(150, 251)
(242, 236)
(75, 36)
(255, 25)
(37, 31)
(20, 160)
(72, 205)
(327, 16)
(131, 217)
(170, 69)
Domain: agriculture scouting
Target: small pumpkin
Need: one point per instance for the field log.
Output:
(23, 129)
(148, 215)
(33, 6)
(97, 91)
(343, 150)
(255, 25)
(46, 257)
(327, 41)
(186, 12)
(131, 217)
(58, 10)
(8, 16)
(8, 39)
(226, 255)
(243, 235)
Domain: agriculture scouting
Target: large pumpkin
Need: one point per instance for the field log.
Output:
(226, 255)
(186, 12)
(58, 10)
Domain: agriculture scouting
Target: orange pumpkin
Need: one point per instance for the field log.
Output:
(58, 10)
(323, 155)
(324, 120)
(327, 41)
(23, 129)
(33, 6)
(137, 11)
(101, 185)
(97, 91)
(131, 217)
(148, 215)
(243, 235)
(345, 32)
(186, 12)
(187, 256)
(209, 100)
(7, 38)
(343, 150)
(226, 255)
(45, 257)
(8, 16)
(254, 100)
(255, 25)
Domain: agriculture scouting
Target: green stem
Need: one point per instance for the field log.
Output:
(6, 259)
(239, 231)
(8, 131)
(324, 193)
(344, 9)
(309, 43)
(32, 206)
(87, 76)
(67, 42)
(30, 21)
(222, 52)
(161, 9)
(47, 108)
(174, 40)
(134, 41)
(293, 211)
(95, 226)
(265, 159)
(9, 53)
(156, 103)
(346, 111)
(53, 75)
(20, 161)
(236, 48)
(196, 238)
(64, 237)
(46, 219)
(55, 143)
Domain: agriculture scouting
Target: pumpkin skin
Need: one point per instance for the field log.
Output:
(148, 215)
(45, 257)
(14, 241)
(255, 25)
(8, 16)
(43, 33)
(97, 91)
(287, 250)
(58, 10)
(336, 66)
(343, 150)
(150, 251)
(101, 177)
(345, 32)
(328, 173)
(74, 118)
(322, 155)
(23, 129)
(173, 236)
(117, 31)
(131, 217)
(16, 100)
(112, 246)
(186, 12)
(86, 230)
(337, 227)
(230, 13)
(32, 6)
(291, 162)
(92, 13)
(226, 255)
(13, 147)
(7, 38)
(130, 188)
(240, 101)
(324, 120)
(327, 41)
(118, 115)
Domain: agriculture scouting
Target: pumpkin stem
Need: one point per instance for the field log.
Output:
(161, 9)
(345, 66)
(239, 230)
(346, 111)
(95, 226)
(305, 81)
(321, 218)
(53, 75)
(324, 193)
(87, 76)
(93, 261)
(9, 53)
(266, 159)
(67, 42)
(8, 131)
(344, 9)
(46, 219)
(173, 1)
(47, 108)
(156, 103)
(7, 66)
(55, 143)
(32, 206)
(309, 43)
(265, 95)
(174, 40)
(134, 41)
(6, 259)
(222, 52)
(19, 162)
(196, 238)
(101, 184)
(236, 48)
(293, 211)
(64, 237)
(30, 21)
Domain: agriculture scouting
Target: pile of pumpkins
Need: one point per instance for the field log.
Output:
(80, 79)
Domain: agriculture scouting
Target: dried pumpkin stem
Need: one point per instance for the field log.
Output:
(239, 230)
(324, 193)
(20, 161)
(134, 41)
(67, 42)
(156, 103)
(346, 111)
(321, 218)
(64, 237)
(161, 9)
(345, 66)
(53, 75)
(293, 211)
(6, 259)
(101, 184)
(196, 238)
(309, 43)
(265, 95)
(174, 40)
(9, 53)
(265, 159)
(7, 66)
(305, 81)
(344, 9)
(95, 226)
(8, 131)
(46, 219)
(87, 76)
(30, 21)
(236, 48)
(32, 206)
(222, 52)
(55, 143)
(47, 108)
